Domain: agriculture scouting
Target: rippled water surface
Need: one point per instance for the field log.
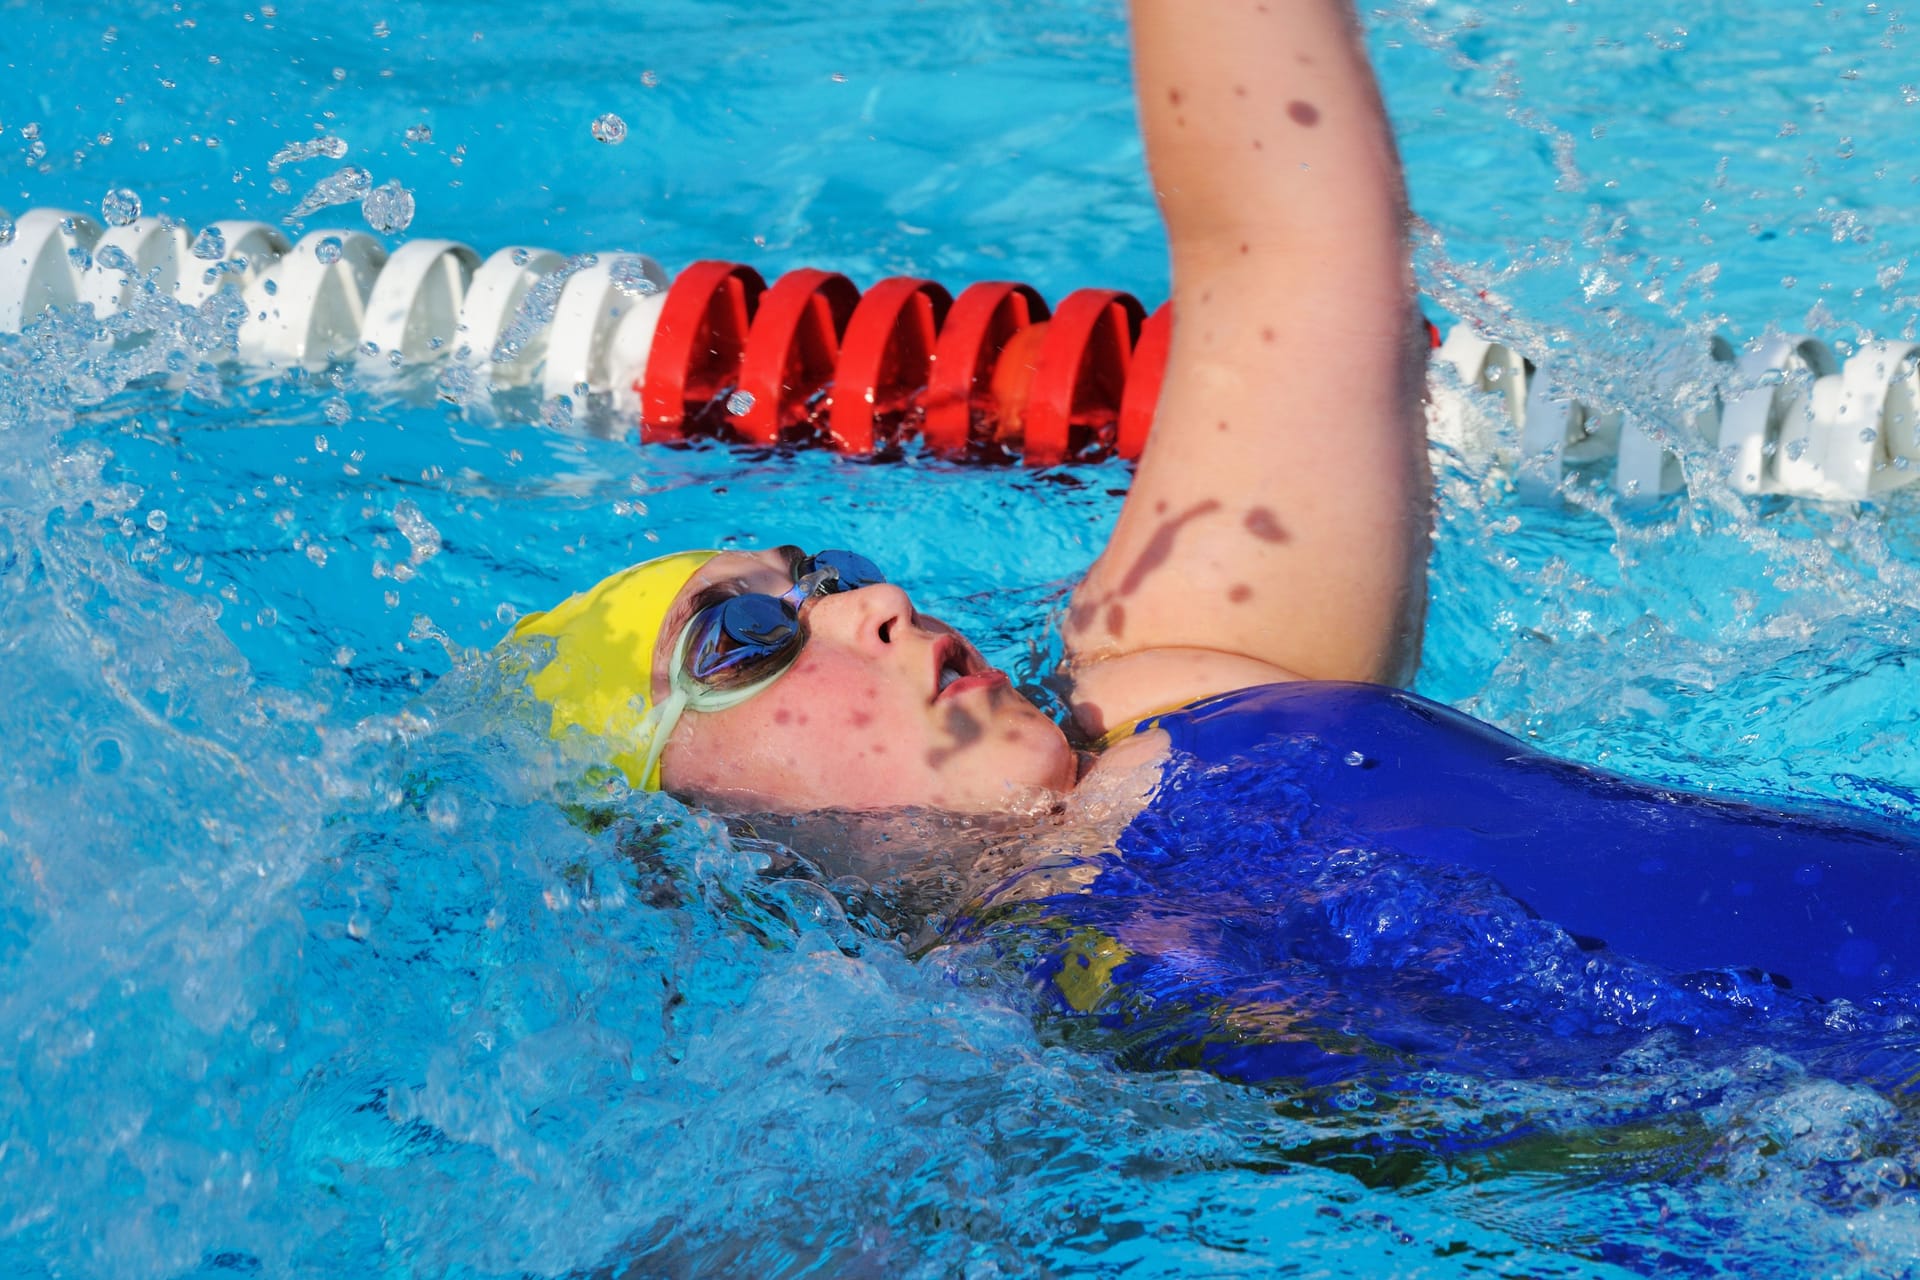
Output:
(316, 960)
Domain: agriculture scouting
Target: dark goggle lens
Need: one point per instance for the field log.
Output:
(852, 570)
(748, 637)
(735, 639)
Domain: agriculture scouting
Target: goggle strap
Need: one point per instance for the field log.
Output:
(657, 727)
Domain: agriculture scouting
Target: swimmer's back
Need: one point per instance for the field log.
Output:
(1823, 899)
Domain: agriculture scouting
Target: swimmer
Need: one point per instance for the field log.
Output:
(1260, 601)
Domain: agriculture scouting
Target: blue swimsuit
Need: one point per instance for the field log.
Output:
(1329, 873)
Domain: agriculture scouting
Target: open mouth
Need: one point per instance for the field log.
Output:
(959, 669)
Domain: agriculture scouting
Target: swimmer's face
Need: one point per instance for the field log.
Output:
(860, 720)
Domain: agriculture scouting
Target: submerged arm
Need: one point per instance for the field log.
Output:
(1277, 526)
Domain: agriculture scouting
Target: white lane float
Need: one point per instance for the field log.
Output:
(1784, 415)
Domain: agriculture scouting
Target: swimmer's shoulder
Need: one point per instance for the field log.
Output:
(1110, 694)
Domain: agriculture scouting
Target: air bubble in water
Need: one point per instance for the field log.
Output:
(328, 250)
(210, 245)
(157, 520)
(119, 207)
(506, 613)
(739, 403)
(610, 129)
(338, 411)
(388, 208)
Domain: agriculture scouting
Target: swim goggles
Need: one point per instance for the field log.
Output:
(735, 648)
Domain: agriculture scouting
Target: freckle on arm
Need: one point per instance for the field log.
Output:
(1303, 113)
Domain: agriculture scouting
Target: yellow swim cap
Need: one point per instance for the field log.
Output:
(601, 675)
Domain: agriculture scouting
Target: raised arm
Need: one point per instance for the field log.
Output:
(1277, 527)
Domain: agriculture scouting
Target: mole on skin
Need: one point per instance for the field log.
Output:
(1303, 113)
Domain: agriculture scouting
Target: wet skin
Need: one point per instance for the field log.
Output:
(861, 719)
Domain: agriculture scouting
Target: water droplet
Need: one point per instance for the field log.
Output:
(114, 258)
(1797, 447)
(267, 616)
(30, 130)
(157, 520)
(328, 250)
(520, 257)
(79, 257)
(388, 208)
(338, 411)
(210, 245)
(272, 286)
(558, 413)
(6, 229)
(119, 207)
(507, 614)
(342, 656)
(1868, 435)
(629, 276)
(419, 133)
(1356, 758)
(739, 403)
(649, 78)
(345, 186)
(610, 129)
(421, 536)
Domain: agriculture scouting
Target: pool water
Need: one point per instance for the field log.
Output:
(319, 961)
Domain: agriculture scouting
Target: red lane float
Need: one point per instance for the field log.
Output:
(698, 345)
(994, 371)
(959, 398)
(886, 358)
(792, 348)
(1143, 383)
(1080, 375)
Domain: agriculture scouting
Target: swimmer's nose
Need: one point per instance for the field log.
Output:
(871, 617)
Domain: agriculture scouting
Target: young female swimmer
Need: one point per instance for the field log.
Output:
(1277, 526)
(1264, 585)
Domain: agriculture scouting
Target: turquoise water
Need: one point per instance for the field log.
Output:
(308, 974)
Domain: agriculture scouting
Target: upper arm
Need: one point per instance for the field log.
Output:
(1278, 518)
